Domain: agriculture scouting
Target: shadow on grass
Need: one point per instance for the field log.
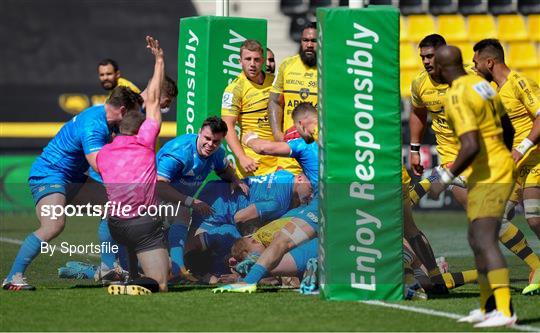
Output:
(529, 321)
(455, 295)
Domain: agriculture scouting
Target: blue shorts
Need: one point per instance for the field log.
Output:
(301, 254)
(41, 187)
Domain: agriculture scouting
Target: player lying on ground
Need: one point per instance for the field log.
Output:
(298, 262)
(235, 214)
(302, 228)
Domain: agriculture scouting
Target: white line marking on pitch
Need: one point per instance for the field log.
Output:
(19, 242)
(436, 313)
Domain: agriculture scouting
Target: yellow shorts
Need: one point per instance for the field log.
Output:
(489, 190)
(267, 164)
(528, 169)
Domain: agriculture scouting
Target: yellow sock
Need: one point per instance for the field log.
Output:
(418, 190)
(485, 292)
(454, 280)
(515, 241)
(499, 281)
(409, 274)
(449, 280)
(470, 276)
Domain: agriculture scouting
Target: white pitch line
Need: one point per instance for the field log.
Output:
(429, 312)
(19, 242)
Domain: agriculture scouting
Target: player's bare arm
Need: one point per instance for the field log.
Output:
(417, 124)
(275, 115)
(229, 175)
(154, 87)
(265, 147)
(247, 220)
(170, 194)
(466, 155)
(532, 139)
(246, 162)
(91, 158)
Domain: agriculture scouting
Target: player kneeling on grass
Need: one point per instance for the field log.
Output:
(302, 228)
(128, 168)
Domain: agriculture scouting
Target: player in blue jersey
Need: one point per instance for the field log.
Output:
(305, 149)
(184, 163)
(303, 227)
(58, 172)
(270, 197)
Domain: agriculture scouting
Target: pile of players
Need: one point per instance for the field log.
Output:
(261, 219)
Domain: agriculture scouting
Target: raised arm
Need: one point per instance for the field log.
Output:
(154, 86)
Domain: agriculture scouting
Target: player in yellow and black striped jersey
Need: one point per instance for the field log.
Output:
(245, 102)
(477, 118)
(296, 82)
(521, 98)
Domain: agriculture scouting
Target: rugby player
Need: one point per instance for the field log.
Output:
(521, 98)
(302, 228)
(427, 96)
(182, 165)
(245, 103)
(110, 76)
(305, 149)
(235, 214)
(58, 172)
(296, 82)
(476, 116)
(270, 61)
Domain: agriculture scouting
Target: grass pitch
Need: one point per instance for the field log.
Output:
(75, 305)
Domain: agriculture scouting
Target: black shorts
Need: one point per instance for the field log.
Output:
(138, 234)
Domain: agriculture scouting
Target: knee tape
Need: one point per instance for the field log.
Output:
(297, 236)
(532, 208)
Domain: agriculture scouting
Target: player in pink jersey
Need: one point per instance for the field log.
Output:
(128, 168)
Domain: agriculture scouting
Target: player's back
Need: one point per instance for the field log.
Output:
(276, 186)
(473, 105)
(85, 133)
(307, 155)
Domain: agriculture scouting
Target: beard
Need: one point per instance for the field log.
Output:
(107, 85)
(308, 60)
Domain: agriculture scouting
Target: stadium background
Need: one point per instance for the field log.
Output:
(49, 65)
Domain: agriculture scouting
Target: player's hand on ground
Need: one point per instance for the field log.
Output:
(202, 208)
(229, 278)
(153, 45)
(416, 164)
(248, 164)
(516, 155)
(240, 186)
